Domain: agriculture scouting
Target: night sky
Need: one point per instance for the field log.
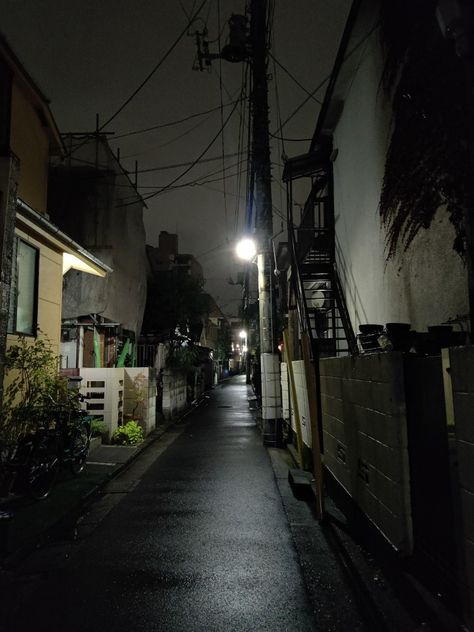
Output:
(89, 56)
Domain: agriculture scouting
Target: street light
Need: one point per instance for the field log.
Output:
(246, 249)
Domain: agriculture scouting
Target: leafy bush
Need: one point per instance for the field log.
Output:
(35, 389)
(182, 357)
(98, 427)
(129, 434)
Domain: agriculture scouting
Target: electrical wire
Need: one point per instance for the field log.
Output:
(327, 78)
(153, 71)
(310, 94)
(171, 123)
(168, 142)
(192, 164)
(156, 67)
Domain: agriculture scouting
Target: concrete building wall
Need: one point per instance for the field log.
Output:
(425, 285)
(462, 376)
(365, 438)
(100, 209)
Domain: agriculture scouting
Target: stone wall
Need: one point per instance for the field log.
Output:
(365, 439)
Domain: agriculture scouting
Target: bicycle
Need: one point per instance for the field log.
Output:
(57, 436)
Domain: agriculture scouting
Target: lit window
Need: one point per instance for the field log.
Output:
(24, 289)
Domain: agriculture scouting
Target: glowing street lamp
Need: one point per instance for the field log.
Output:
(246, 249)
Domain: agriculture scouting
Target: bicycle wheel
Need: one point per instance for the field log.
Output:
(43, 467)
(79, 449)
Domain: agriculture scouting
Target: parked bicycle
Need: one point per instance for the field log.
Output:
(57, 436)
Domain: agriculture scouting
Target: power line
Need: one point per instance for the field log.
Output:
(310, 94)
(171, 123)
(168, 142)
(192, 164)
(150, 74)
(327, 78)
(158, 65)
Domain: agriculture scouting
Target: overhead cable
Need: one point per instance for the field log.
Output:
(326, 79)
(158, 65)
(310, 94)
(193, 163)
(171, 123)
(152, 72)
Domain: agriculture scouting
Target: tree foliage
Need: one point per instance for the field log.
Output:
(176, 301)
(427, 161)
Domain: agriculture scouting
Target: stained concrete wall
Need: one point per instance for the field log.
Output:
(365, 439)
(462, 376)
(174, 393)
(424, 285)
(100, 209)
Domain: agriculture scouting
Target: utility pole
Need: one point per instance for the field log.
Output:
(252, 46)
(270, 364)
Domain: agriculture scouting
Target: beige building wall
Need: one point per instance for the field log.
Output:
(49, 291)
(29, 141)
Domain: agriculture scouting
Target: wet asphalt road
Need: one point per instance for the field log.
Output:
(198, 541)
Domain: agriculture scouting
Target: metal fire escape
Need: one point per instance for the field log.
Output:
(316, 288)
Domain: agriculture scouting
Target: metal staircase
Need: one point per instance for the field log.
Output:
(316, 286)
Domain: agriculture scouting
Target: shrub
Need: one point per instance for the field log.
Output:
(35, 389)
(98, 427)
(129, 434)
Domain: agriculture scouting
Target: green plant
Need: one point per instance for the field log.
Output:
(129, 434)
(182, 357)
(98, 427)
(34, 387)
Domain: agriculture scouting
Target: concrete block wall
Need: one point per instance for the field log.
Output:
(140, 396)
(365, 438)
(462, 377)
(104, 389)
(174, 393)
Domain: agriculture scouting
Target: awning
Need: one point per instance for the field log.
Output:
(74, 255)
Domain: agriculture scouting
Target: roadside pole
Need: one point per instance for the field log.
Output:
(270, 364)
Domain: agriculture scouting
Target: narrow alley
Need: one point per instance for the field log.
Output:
(199, 533)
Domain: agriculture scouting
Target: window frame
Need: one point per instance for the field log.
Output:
(13, 309)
